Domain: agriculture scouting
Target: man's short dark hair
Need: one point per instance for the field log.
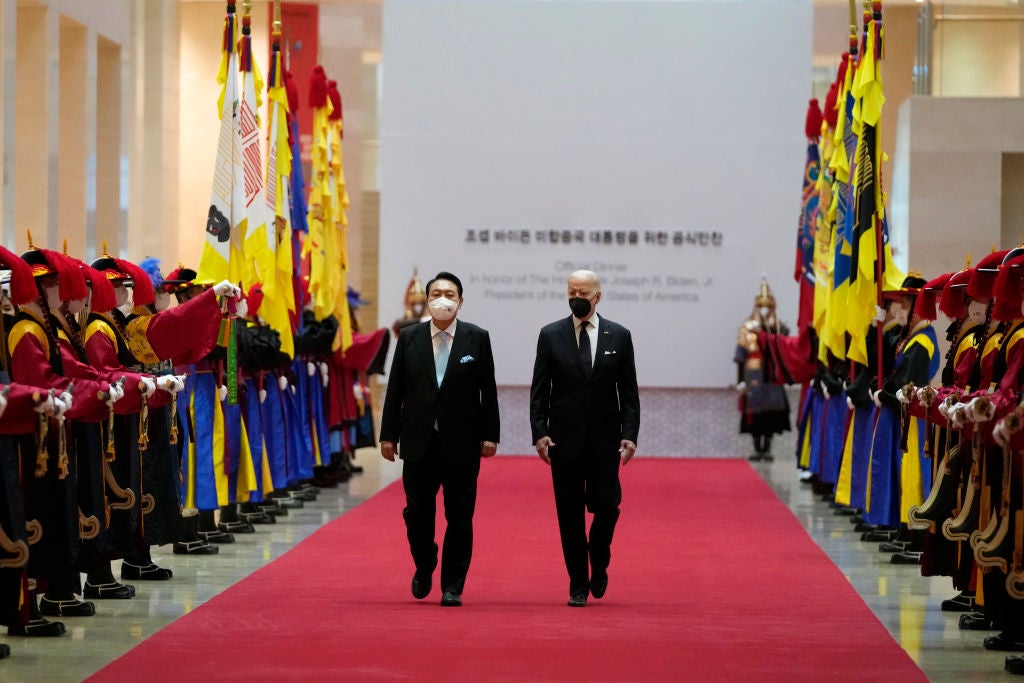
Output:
(445, 275)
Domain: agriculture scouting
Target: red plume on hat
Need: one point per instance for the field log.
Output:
(142, 286)
(983, 277)
(1009, 288)
(930, 293)
(953, 300)
(335, 97)
(103, 296)
(70, 279)
(292, 90)
(23, 285)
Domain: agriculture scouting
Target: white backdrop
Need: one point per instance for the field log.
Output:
(658, 143)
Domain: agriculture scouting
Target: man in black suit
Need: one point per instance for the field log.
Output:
(441, 405)
(585, 417)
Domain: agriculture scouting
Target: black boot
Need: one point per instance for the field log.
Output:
(250, 513)
(100, 584)
(140, 566)
(231, 523)
(60, 600)
(207, 529)
(36, 626)
(188, 542)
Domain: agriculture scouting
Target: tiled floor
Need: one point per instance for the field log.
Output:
(904, 601)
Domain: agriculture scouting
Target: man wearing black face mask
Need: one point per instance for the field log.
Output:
(585, 418)
(442, 406)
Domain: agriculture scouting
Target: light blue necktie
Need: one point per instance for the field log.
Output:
(441, 362)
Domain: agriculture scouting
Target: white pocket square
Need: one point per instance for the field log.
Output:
(610, 353)
(467, 359)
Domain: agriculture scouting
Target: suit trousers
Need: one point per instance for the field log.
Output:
(589, 482)
(455, 474)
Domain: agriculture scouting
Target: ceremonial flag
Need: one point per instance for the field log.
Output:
(872, 268)
(318, 215)
(339, 243)
(297, 199)
(277, 231)
(808, 225)
(222, 256)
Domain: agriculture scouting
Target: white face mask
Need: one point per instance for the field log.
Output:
(443, 309)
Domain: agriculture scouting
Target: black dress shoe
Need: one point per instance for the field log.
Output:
(66, 608)
(257, 518)
(1003, 642)
(975, 621)
(1014, 665)
(195, 548)
(863, 527)
(422, 582)
(37, 628)
(878, 535)
(108, 591)
(149, 572)
(578, 600)
(893, 547)
(450, 599)
(5, 650)
(237, 527)
(598, 585)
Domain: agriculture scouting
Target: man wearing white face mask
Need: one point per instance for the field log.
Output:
(441, 408)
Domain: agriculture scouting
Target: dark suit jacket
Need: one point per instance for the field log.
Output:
(464, 407)
(570, 408)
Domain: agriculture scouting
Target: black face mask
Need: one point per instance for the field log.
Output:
(580, 307)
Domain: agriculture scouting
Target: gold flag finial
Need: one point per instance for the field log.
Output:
(65, 246)
(106, 254)
(31, 247)
(968, 266)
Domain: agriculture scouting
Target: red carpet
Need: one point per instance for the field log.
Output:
(712, 578)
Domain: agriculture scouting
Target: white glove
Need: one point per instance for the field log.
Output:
(310, 368)
(225, 288)
(66, 399)
(981, 412)
(849, 403)
(148, 386)
(168, 383)
(879, 315)
(59, 408)
(922, 396)
(115, 392)
(824, 391)
(222, 392)
(45, 406)
(263, 395)
(999, 434)
(741, 387)
(3, 404)
(944, 410)
(282, 382)
(179, 380)
(242, 309)
(325, 376)
(874, 398)
(958, 415)
(902, 397)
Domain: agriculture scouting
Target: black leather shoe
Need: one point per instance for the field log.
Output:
(450, 599)
(215, 536)
(893, 547)
(864, 527)
(598, 585)
(422, 582)
(149, 572)
(1014, 665)
(5, 650)
(238, 527)
(66, 608)
(109, 591)
(905, 558)
(578, 600)
(195, 548)
(257, 518)
(878, 535)
(1003, 643)
(975, 621)
(37, 628)
(960, 603)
